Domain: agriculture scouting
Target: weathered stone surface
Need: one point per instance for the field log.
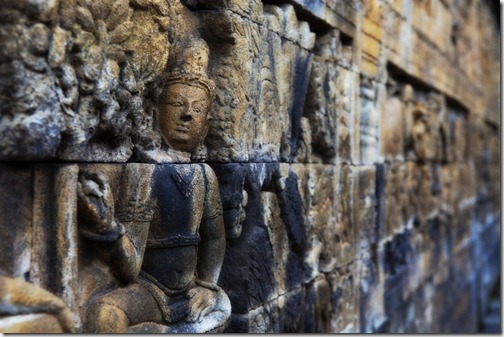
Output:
(352, 155)
(267, 63)
(369, 117)
(392, 124)
(15, 225)
(344, 313)
(330, 107)
(318, 306)
(55, 255)
(392, 200)
(365, 202)
(76, 86)
(28, 308)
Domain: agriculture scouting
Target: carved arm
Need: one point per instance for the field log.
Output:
(123, 248)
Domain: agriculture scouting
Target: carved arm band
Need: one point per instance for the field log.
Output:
(106, 236)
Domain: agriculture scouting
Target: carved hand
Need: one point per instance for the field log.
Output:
(96, 203)
(201, 302)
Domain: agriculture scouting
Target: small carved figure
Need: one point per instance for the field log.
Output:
(439, 121)
(424, 142)
(426, 124)
(168, 250)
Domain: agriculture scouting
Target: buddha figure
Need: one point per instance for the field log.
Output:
(167, 250)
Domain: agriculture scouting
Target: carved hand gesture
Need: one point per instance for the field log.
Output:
(201, 302)
(96, 203)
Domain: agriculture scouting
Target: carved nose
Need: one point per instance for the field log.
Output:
(186, 117)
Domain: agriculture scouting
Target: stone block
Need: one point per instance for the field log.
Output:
(322, 111)
(54, 264)
(77, 95)
(329, 233)
(364, 204)
(343, 315)
(269, 257)
(392, 126)
(16, 224)
(284, 314)
(434, 20)
(421, 184)
(369, 122)
(318, 306)
(346, 221)
(248, 273)
(392, 195)
(347, 117)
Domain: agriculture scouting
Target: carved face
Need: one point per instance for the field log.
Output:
(183, 116)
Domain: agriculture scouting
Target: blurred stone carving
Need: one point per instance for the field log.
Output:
(427, 128)
(369, 130)
(27, 308)
(439, 119)
(392, 124)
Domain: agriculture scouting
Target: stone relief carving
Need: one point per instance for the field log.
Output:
(268, 96)
(428, 135)
(88, 83)
(117, 224)
(163, 238)
(27, 308)
(76, 75)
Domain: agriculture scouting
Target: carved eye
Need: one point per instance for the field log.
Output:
(198, 109)
(175, 104)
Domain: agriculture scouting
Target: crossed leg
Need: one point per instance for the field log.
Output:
(116, 311)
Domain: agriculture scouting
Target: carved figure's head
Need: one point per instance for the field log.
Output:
(186, 99)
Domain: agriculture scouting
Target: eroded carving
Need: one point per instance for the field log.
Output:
(76, 75)
(27, 308)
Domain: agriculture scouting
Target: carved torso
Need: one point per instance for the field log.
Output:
(178, 195)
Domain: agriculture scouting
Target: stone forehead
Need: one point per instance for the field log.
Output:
(192, 82)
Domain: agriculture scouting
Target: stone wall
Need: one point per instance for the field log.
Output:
(355, 143)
